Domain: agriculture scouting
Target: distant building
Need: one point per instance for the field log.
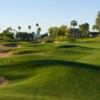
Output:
(94, 34)
(36, 35)
(76, 32)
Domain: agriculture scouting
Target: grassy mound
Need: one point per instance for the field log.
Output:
(66, 72)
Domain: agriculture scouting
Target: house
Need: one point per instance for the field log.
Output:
(94, 34)
(76, 32)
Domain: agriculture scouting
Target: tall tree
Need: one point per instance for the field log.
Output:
(87, 29)
(84, 29)
(39, 30)
(69, 32)
(29, 27)
(94, 27)
(53, 31)
(73, 24)
(98, 22)
(59, 32)
(63, 30)
(7, 35)
(19, 28)
(81, 29)
(9, 29)
(37, 25)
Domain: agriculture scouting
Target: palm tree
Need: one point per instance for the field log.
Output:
(37, 25)
(10, 29)
(73, 24)
(94, 27)
(19, 28)
(29, 27)
(39, 30)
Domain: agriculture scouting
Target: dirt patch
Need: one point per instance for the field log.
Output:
(4, 47)
(5, 54)
(3, 81)
(5, 51)
(18, 46)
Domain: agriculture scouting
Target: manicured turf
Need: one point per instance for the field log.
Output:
(52, 72)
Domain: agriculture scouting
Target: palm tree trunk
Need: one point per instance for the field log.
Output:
(29, 30)
(73, 33)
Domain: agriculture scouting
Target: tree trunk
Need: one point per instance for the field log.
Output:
(73, 33)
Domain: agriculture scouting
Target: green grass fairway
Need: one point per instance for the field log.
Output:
(68, 71)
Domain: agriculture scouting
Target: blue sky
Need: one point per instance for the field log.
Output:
(46, 12)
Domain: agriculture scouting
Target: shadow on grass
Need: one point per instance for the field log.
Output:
(67, 46)
(27, 66)
(72, 46)
(11, 45)
(17, 77)
(47, 63)
(28, 52)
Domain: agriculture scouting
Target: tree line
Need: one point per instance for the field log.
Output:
(70, 32)
(11, 34)
(55, 32)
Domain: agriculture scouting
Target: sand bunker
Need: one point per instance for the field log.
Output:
(6, 54)
(4, 48)
(3, 81)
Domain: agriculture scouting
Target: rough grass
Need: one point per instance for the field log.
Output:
(64, 72)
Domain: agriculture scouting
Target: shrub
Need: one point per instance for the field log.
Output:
(49, 41)
(72, 40)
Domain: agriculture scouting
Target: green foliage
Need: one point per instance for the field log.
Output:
(73, 23)
(53, 31)
(98, 22)
(24, 36)
(94, 27)
(71, 40)
(49, 41)
(84, 29)
(19, 28)
(39, 30)
(69, 32)
(57, 31)
(6, 35)
(29, 27)
(37, 24)
(63, 30)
